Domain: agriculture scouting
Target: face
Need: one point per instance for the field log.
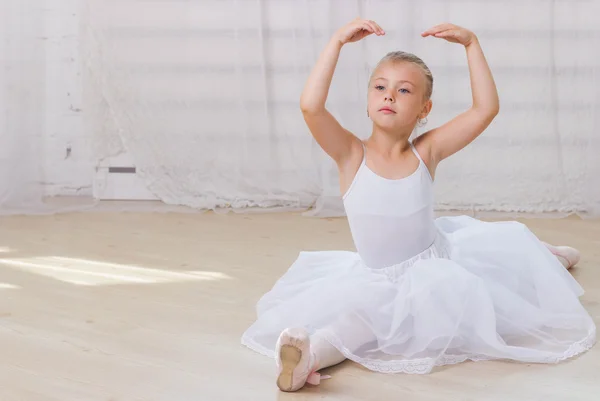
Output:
(396, 96)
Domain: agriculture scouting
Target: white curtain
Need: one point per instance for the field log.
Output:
(203, 94)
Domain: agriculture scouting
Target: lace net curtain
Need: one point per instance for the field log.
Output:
(204, 96)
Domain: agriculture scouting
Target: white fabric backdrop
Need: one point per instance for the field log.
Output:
(204, 95)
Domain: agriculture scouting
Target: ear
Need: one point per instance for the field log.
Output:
(426, 109)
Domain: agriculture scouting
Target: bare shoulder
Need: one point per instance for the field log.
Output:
(424, 148)
(349, 165)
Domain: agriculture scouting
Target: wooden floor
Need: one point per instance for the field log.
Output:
(151, 306)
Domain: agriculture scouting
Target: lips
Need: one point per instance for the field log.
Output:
(387, 110)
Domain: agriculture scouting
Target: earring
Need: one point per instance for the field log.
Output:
(422, 122)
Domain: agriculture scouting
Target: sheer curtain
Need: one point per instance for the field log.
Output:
(203, 95)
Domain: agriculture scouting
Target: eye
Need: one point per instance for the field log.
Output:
(379, 87)
(404, 90)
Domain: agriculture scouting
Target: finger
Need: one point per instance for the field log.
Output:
(447, 34)
(371, 27)
(436, 29)
(434, 33)
(430, 31)
(443, 27)
(365, 28)
(376, 25)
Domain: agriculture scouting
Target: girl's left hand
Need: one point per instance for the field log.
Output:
(452, 33)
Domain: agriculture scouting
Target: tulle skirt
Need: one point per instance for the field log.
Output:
(482, 291)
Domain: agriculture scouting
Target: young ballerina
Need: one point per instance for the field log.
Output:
(419, 292)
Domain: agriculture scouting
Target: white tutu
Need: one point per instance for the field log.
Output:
(482, 291)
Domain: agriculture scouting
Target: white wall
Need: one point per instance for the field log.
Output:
(65, 174)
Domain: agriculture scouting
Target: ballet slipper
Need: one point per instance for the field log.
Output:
(296, 364)
(570, 255)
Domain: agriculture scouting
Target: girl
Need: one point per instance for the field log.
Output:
(419, 292)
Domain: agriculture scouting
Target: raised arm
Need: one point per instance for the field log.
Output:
(463, 129)
(336, 141)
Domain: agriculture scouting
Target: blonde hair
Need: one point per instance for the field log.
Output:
(400, 56)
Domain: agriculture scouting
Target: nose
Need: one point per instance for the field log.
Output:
(389, 97)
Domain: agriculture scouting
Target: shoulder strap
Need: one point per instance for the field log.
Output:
(422, 163)
(364, 158)
(412, 146)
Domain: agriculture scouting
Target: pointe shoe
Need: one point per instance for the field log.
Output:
(570, 255)
(296, 364)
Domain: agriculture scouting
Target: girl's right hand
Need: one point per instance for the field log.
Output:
(358, 29)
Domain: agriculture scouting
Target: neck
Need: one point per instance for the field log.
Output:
(390, 143)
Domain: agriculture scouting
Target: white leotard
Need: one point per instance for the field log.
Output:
(391, 220)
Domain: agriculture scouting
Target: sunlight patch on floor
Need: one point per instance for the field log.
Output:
(93, 272)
